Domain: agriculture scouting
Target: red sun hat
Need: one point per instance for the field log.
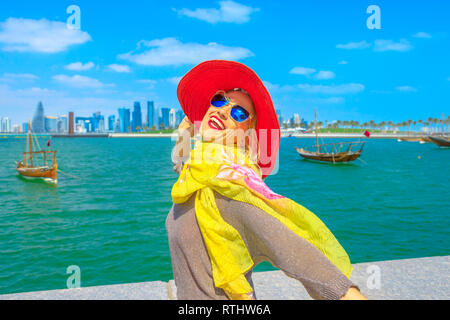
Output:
(197, 87)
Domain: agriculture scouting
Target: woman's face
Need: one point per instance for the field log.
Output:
(217, 122)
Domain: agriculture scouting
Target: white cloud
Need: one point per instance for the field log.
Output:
(78, 81)
(354, 45)
(321, 75)
(119, 68)
(324, 75)
(349, 88)
(36, 92)
(303, 71)
(405, 89)
(389, 45)
(229, 11)
(379, 45)
(330, 100)
(422, 35)
(174, 80)
(11, 77)
(28, 35)
(170, 51)
(79, 66)
(149, 82)
(343, 62)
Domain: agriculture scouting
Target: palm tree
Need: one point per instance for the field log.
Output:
(430, 120)
(420, 123)
(409, 125)
(426, 125)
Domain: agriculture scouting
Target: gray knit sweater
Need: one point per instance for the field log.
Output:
(266, 238)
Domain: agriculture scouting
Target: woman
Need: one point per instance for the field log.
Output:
(225, 220)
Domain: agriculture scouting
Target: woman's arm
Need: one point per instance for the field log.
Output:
(267, 238)
(182, 149)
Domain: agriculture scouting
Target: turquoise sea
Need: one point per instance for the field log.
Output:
(391, 204)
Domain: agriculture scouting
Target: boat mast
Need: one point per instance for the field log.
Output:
(30, 141)
(317, 137)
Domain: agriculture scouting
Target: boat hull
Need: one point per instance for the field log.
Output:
(414, 139)
(329, 157)
(440, 141)
(45, 173)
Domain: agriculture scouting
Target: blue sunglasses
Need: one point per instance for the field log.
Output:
(238, 113)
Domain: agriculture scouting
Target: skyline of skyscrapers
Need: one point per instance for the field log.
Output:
(126, 121)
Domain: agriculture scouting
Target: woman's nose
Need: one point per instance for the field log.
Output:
(223, 112)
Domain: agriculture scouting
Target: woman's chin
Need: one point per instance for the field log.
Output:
(213, 135)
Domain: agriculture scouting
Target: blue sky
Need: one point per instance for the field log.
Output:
(311, 54)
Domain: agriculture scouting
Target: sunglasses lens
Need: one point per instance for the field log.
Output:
(239, 114)
(219, 101)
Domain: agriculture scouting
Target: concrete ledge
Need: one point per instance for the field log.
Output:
(422, 278)
(408, 279)
(154, 290)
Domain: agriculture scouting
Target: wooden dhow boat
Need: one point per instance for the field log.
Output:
(340, 151)
(441, 141)
(414, 139)
(35, 163)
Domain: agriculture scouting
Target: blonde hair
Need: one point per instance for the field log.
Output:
(252, 153)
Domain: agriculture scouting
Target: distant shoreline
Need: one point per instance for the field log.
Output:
(174, 134)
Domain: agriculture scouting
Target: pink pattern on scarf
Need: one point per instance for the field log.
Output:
(255, 182)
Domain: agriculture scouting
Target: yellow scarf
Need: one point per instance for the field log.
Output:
(228, 171)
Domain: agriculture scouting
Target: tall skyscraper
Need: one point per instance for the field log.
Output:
(38, 124)
(156, 117)
(296, 118)
(124, 120)
(137, 117)
(279, 116)
(165, 117)
(6, 125)
(111, 122)
(98, 122)
(16, 128)
(84, 124)
(62, 124)
(150, 110)
(51, 124)
(71, 123)
(172, 118)
(25, 127)
(179, 116)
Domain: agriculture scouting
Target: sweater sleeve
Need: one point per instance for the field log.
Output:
(268, 239)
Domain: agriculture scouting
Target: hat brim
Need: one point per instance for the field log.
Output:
(197, 87)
